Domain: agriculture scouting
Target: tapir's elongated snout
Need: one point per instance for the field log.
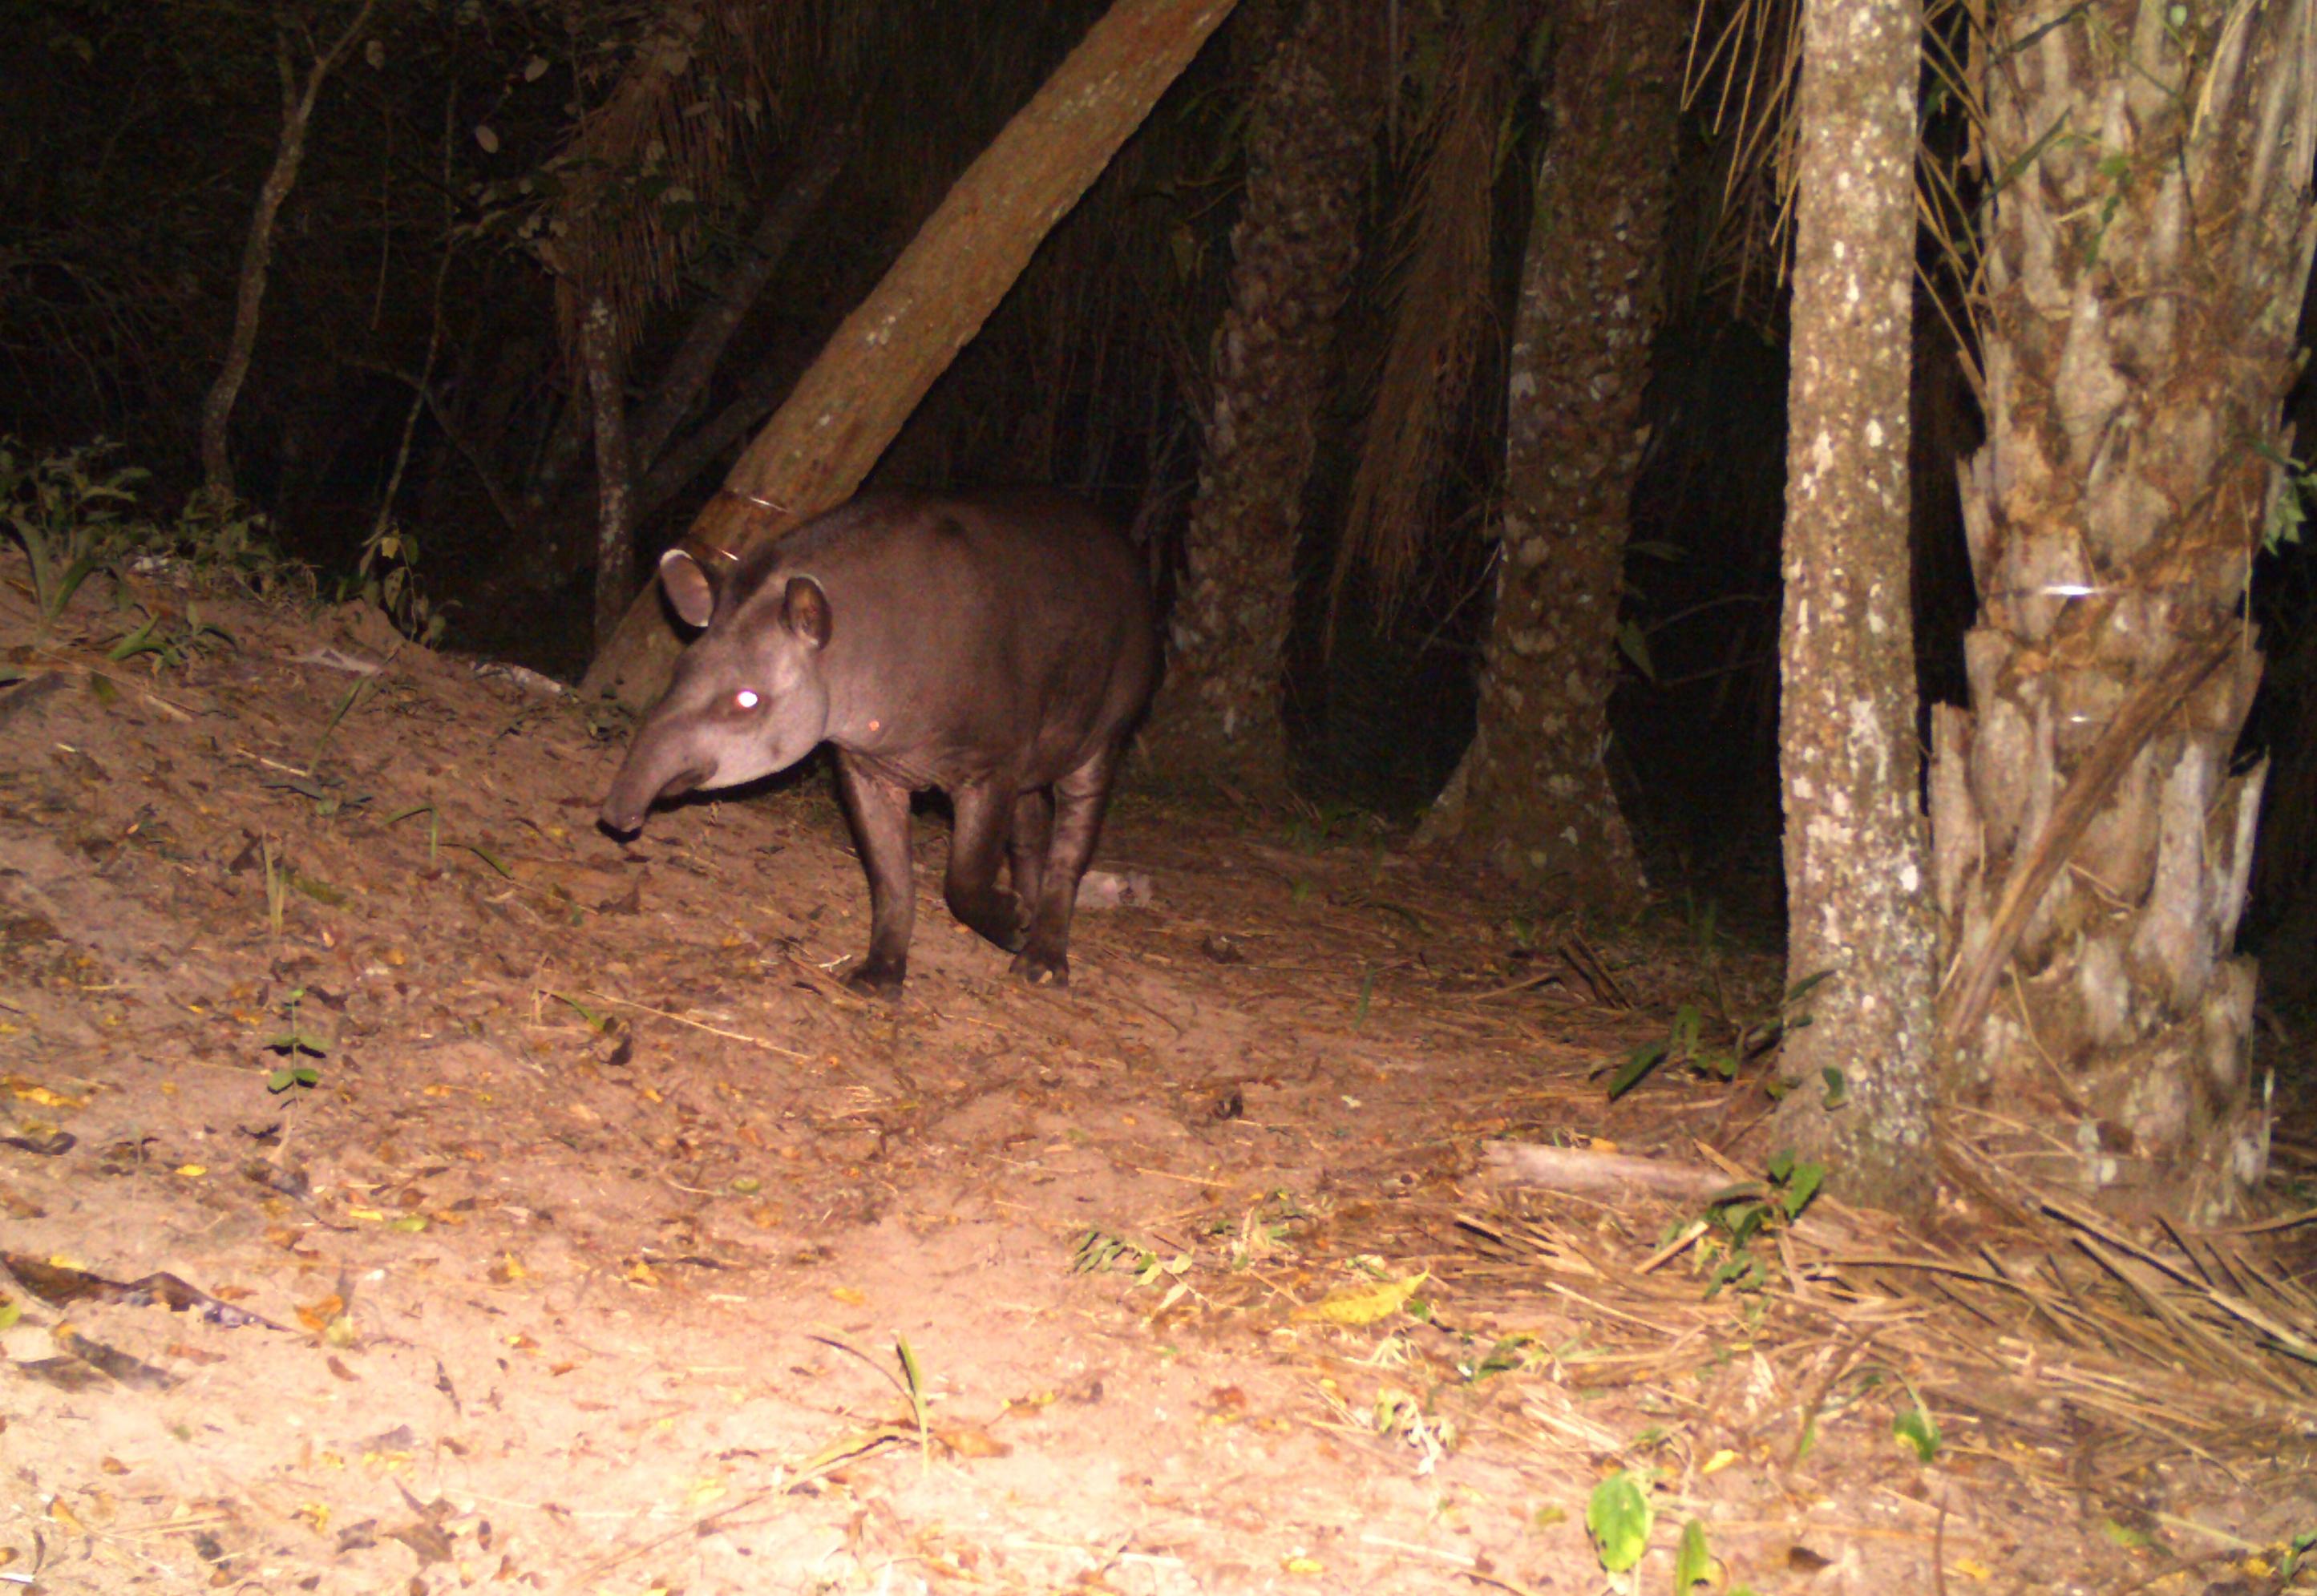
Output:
(656, 769)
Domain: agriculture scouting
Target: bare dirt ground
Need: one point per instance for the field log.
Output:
(587, 1261)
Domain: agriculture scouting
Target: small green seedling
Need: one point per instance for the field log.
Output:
(434, 826)
(1914, 1425)
(296, 1045)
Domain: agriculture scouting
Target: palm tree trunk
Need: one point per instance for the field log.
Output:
(2145, 266)
(1293, 252)
(1532, 792)
(1858, 926)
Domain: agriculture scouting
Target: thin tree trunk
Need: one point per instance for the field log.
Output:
(257, 253)
(694, 361)
(554, 546)
(847, 408)
(2145, 264)
(615, 530)
(1532, 791)
(1857, 909)
(1219, 712)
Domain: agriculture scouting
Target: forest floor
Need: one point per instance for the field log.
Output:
(610, 1244)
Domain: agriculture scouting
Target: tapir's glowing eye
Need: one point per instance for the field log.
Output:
(744, 698)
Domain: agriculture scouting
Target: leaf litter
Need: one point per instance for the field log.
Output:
(578, 1246)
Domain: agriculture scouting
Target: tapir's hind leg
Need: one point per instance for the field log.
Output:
(1033, 824)
(880, 825)
(1080, 799)
(985, 820)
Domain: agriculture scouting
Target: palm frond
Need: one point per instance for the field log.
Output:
(1442, 309)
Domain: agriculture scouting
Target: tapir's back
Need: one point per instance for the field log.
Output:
(1011, 627)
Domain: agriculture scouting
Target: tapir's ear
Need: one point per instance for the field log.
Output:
(687, 587)
(805, 607)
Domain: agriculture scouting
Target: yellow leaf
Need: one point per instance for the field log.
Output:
(193, 1172)
(705, 1492)
(1719, 1461)
(371, 1214)
(1303, 1565)
(1364, 1305)
(849, 1296)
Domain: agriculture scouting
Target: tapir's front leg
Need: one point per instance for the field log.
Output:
(880, 808)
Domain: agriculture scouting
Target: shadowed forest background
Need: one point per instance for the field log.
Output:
(415, 409)
(1562, 1030)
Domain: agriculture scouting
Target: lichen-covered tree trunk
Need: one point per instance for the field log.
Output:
(1858, 924)
(1293, 251)
(2144, 265)
(1531, 793)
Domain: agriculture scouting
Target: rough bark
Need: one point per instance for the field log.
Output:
(615, 526)
(2145, 264)
(257, 251)
(1857, 902)
(1316, 107)
(845, 409)
(1532, 792)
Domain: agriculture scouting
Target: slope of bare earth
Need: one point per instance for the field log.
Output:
(588, 1258)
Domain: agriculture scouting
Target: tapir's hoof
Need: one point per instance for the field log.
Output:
(872, 979)
(1040, 970)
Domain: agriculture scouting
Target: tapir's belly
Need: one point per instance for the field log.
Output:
(970, 749)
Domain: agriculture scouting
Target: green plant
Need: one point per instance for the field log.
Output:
(1315, 827)
(168, 646)
(1746, 1214)
(296, 1045)
(1619, 1517)
(389, 574)
(434, 826)
(218, 534)
(1684, 1045)
(66, 513)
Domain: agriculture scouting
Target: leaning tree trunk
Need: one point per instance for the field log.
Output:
(1532, 792)
(1293, 248)
(2145, 264)
(1858, 924)
(843, 412)
(257, 251)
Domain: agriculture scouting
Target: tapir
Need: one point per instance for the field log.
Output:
(997, 646)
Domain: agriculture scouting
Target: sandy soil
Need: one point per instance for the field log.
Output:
(587, 1260)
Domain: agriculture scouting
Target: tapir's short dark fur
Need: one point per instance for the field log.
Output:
(997, 646)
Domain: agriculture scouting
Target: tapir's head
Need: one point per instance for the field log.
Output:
(747, 698)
